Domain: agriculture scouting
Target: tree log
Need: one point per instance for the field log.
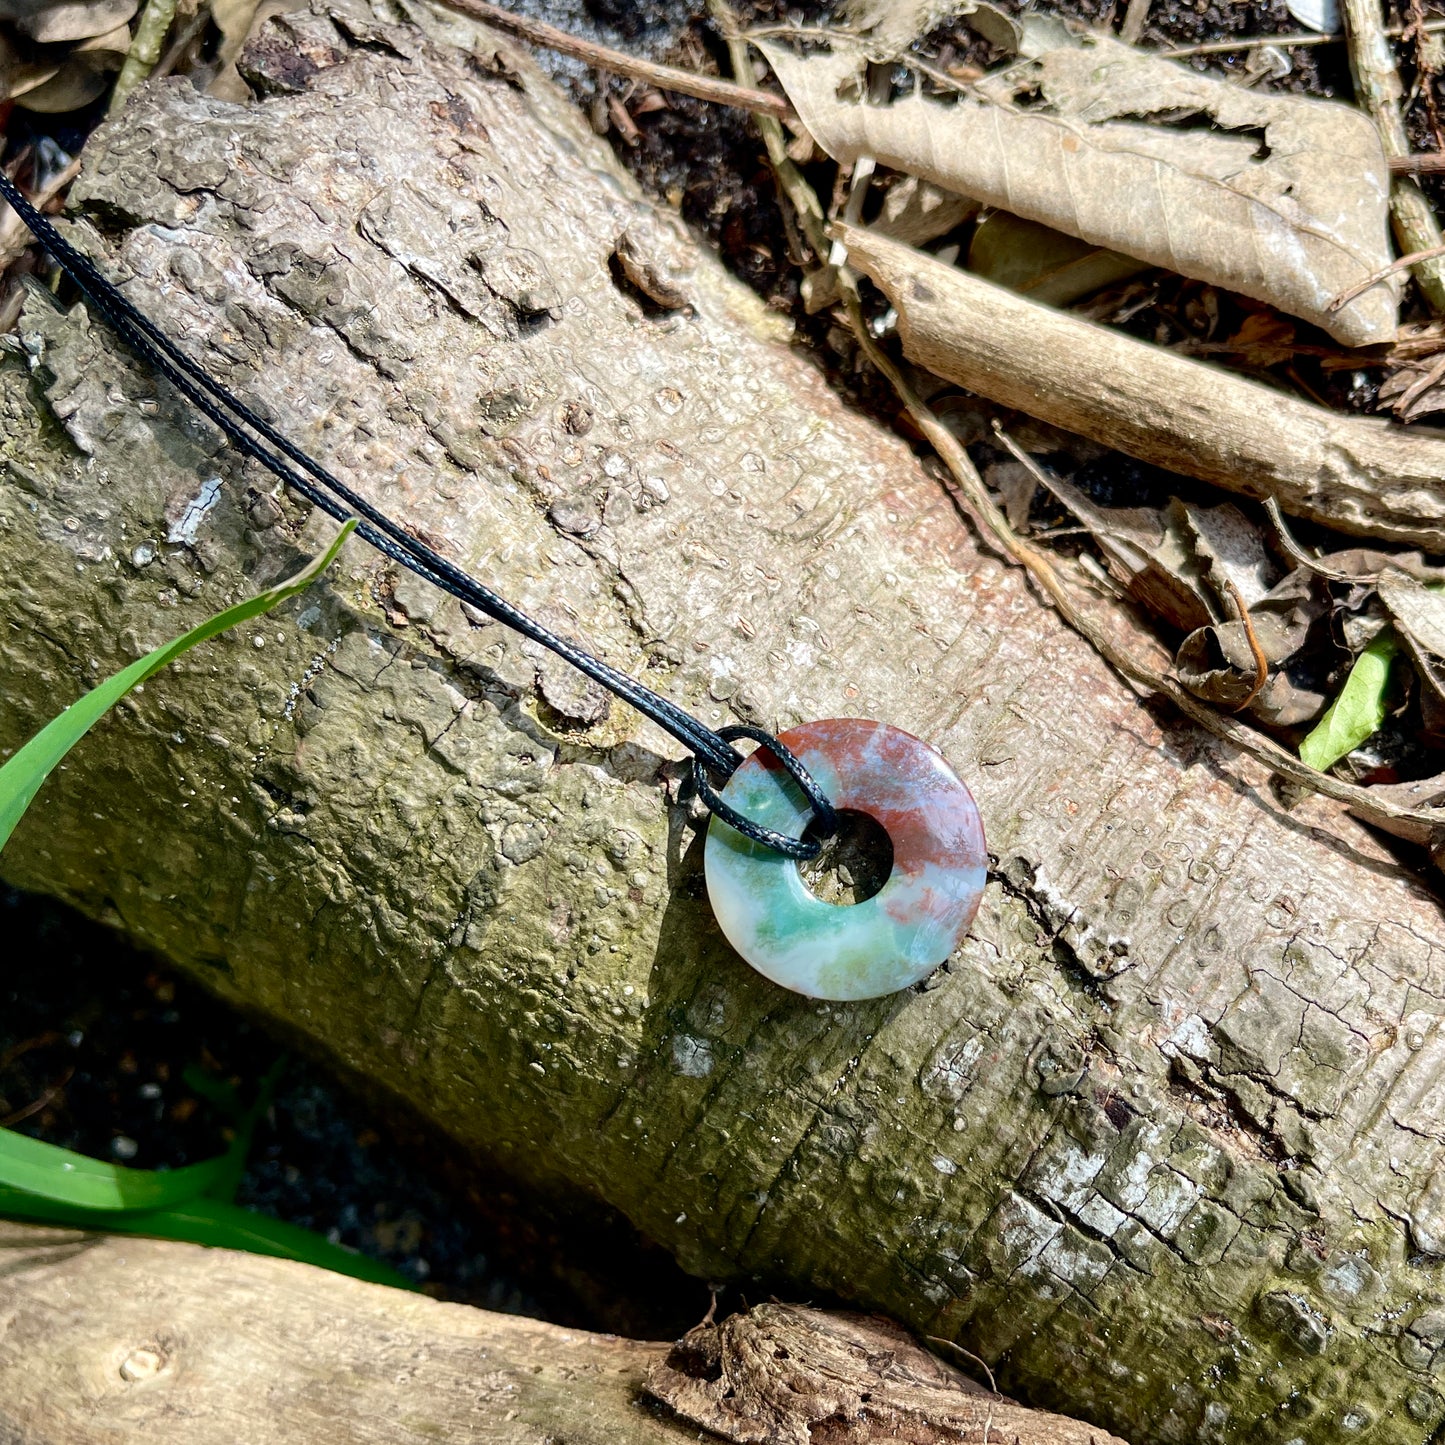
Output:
(171, 1344)
(1161, 1143)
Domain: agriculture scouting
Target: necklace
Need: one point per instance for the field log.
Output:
(756, 836)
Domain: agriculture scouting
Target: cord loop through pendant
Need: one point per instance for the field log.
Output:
(825, 816)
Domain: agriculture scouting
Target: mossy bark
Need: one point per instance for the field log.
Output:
(1161, 1142)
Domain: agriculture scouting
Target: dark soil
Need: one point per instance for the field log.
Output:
(107, 1052)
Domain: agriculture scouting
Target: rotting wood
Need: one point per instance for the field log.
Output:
(781, 1374)
(1171, 1104)
(172, 1344)
(1368, 476)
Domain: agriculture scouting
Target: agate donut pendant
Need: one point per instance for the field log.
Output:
(899, 935)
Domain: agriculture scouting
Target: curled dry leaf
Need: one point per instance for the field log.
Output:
(1189, 565)
(76, 20)
(238, 20)
(1276, 196)
(1415, 389)
(79, 79)
(1042, 263)
(1184, 563)
(1418, 613)
(1217, 663)
(233, 19)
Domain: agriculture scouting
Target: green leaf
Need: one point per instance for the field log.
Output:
(48, 1172)
(211, 1222)
(234, 1161)
(22, 775)
(1358, 711)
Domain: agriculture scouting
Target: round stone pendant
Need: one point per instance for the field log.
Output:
(888, 941)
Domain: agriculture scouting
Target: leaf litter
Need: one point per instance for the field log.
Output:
(1278, 197)
(1298, 636)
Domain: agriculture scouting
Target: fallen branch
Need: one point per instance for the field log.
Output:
(192, 1338)
(1362, 475)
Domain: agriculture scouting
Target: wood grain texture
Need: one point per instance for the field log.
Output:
(110, 1341)
(113, 1341)
(1162, 1142)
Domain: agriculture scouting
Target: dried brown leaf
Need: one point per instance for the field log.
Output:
(1415, 390)
(1147, 551)
(1231, 551)
(1217, 662)
(1367, 563)
(80, 20)
(233, 19)
(1276, 196)
(1418, 613)
(79, 79)
(916, 211)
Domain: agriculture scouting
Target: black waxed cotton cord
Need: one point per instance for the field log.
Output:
(712, 750)
(825, 816)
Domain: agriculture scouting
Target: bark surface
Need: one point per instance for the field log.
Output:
(137, 1340)
(1162, 1142)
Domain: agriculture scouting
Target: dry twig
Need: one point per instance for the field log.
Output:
(1287, 542)
(1430, 163)
(1136, 17)
(1400, 263)
(1284, 42)
(1378, 89)
(664, 77)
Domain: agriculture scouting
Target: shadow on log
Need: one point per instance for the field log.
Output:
(1161, 1143)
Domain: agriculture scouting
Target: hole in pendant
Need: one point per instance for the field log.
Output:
(855, 861)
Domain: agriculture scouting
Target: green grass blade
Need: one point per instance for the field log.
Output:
(233, 1163)
(22, 775)
(210, 1222)
(49, 1172)
(1360, 708)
